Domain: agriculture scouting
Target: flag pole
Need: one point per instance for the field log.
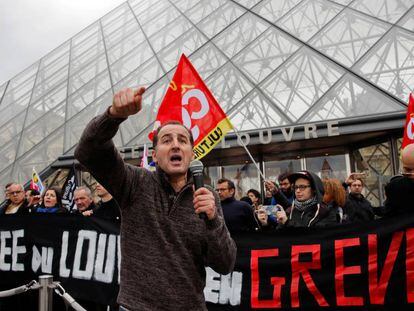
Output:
(248, 152)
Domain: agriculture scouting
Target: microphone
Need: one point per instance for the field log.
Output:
(196, 169)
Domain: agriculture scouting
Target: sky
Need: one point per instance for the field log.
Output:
(29, 29)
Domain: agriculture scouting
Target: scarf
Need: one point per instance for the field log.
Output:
(47, 209)
(301, 206)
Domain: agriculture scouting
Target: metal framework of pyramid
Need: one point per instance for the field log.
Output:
(269, 63)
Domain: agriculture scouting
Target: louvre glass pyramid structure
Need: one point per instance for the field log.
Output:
(270, 63)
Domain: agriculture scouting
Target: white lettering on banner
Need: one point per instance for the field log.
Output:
(4, 250)
(63, 270)
(44, 259)
(15, 250)
(223, 289)
(77, 271)
(105, 273)
(195, 115)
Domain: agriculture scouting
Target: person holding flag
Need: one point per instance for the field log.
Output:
(400, 190)
(165, 244)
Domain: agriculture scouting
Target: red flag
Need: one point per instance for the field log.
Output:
(409, 124)
(189, 101)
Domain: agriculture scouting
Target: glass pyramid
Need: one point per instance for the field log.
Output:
(269, 63)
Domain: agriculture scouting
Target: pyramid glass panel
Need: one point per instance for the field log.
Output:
(255, 112)
(76, 125)
(240, 34)
(10, 130)
(220, 19)
(41, 155)
(185, 5)
(2, 90)
(308, 18)
(343, 2)
(387, 10)
(155, 9)
(408, 20)
(42, 128)
(228, 86)
(203, 9)
(117, 17)
(83, 59)
(120, 37)
(46, 103)
(5, 176)
(88, 93)
(19, 106)
(53, 70)
(135, 58)
(8, 153)
(87, 38)
(349, 36)
(18, 91)
(300, 82)
(265, 54)
(87, 73)
(186, 44)
(273, 10)
(166, 17)
(247, 3)
(351, 97)
(169, 33)
(390, 64)
(207, 60)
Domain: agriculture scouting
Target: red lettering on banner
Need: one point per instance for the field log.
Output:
(377, 288)
(409, 264)
(341, 270)
(277, 282)
(301, 269)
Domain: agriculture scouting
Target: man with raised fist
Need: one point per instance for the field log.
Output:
(165, 245)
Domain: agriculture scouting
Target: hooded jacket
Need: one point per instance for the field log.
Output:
(316, 215)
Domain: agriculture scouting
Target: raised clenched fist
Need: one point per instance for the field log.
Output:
(126, 103)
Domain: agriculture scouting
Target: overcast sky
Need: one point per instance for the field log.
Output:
(29, 29)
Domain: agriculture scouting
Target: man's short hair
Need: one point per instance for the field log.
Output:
(360, 179)
(8, 185)
(283, 176)
(228, 181)
(86, 189)
(172, 122)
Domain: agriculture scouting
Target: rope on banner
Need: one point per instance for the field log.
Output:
(19, 290)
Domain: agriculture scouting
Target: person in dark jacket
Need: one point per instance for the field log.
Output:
(357, 208)
(400, 190)
(84, 201)
(17, 203)
(51, 202)
(308, 209)
(107, 208)
(334, 197)
(238, 215)
(286, 189)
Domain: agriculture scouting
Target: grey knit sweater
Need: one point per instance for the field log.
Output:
(165, 245)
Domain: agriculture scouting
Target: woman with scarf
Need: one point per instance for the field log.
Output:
(308, 209)
(51, 202)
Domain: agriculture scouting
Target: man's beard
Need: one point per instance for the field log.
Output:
(287, 192)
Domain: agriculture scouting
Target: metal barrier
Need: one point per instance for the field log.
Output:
(45, 287)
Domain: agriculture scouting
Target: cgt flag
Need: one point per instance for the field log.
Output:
(36, 182)
(409, 124)
(189, 101)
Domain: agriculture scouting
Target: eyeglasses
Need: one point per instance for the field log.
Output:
(301, 187)
(221, 189)
(15, 192)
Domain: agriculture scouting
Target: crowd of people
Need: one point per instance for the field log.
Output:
(303, 199)
(18, 201)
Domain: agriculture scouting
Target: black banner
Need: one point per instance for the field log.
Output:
(367, 266)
